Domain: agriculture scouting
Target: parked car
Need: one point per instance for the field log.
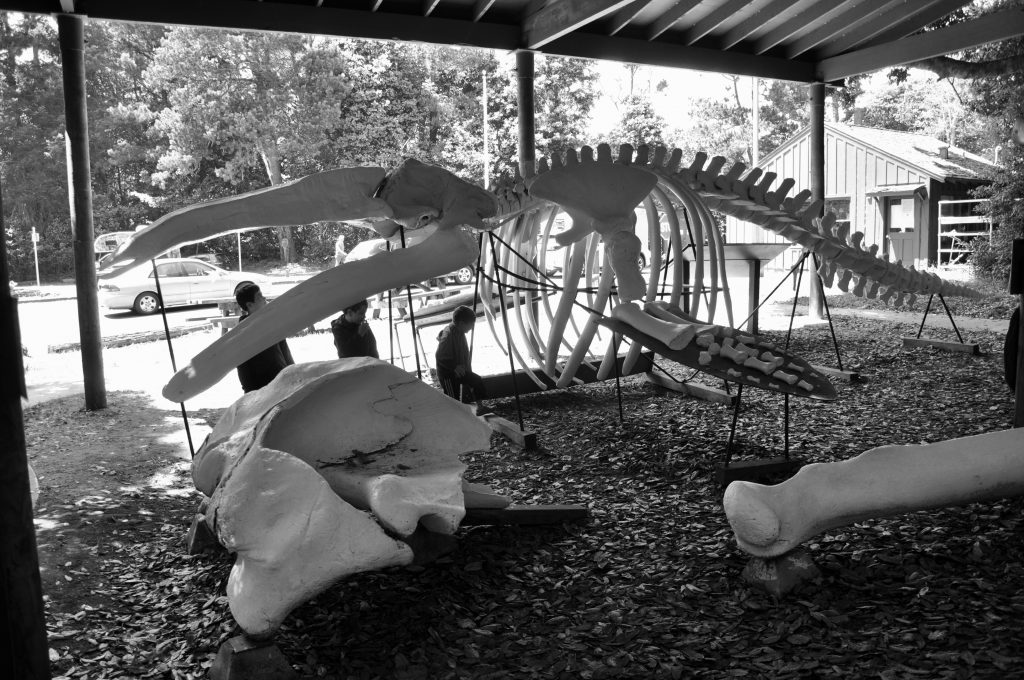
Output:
(365, 249)
(183, 281)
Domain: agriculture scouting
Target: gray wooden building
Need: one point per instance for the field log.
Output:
(892, 186)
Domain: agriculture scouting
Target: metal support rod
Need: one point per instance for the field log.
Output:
(616, 339)
(170, 350)
(508, 337)
(732, 428)
(796, 295)
(785, 426)
(923, 318)
(950, 315)
(412, 316)
(828, 315)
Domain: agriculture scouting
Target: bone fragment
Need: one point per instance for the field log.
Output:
(705, 340)
(806, 386)
(704, 358)
(885, 481)
(766, 367)
(734, 355)
(714, 349)
(785, 377)
(733, 373)
(795, 367)
(674, 335)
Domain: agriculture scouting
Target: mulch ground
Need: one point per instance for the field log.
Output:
(649, 587)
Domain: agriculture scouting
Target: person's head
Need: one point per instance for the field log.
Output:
(250, 298)
(463, 317)
(356, 313)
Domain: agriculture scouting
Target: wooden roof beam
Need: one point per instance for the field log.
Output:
(480, 8)
(713, 20)
(669, 18)
(811, 16)
(562, 17)
(923, 13)
(985, 29)
(926, 15)
(840, 24)
(428, 6)
(625, 15)
(638, 51)
(742, 31)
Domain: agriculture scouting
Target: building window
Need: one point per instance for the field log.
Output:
(841, 208)
(901, 215)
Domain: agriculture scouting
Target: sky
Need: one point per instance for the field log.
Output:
(672, 102)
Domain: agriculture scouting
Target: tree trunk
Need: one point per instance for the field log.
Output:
(272, 162)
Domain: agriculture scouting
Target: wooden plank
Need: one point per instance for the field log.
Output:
(985, 29)
(757, 469)
(853, 17)
(524, 515)
(625, 15)
(561, 17)
(713, 20)
(966, 348)
(755, 21)
(695, 390)
(809, 17)
(522, 438)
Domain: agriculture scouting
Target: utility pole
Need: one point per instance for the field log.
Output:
(35, 252)
(487, 157)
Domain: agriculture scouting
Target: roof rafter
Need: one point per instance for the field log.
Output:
(669, 18)
(562, 17)
(985, 29)
(808, 17)
(847, 21)
(480, 8)
(742, 31)
(625, 15)
(713, 20)
(924, 13)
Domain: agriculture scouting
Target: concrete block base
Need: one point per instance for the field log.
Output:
(779, 575)
(242, 658)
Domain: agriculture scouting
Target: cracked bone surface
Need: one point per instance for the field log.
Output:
(889, 480)
(310, 477)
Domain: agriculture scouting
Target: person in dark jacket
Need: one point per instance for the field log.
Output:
(353, 337)
(454, 364)
(264, 367)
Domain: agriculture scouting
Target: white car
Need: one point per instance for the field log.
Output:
(183, 281)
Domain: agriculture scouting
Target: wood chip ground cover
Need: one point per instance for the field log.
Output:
(650, 587)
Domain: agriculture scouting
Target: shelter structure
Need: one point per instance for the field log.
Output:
(908, 193)
(811, 41)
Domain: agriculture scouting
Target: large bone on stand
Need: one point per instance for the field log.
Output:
(769, 521)
(321, 473)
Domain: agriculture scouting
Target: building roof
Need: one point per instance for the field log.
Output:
(923, 152)
(798, 40)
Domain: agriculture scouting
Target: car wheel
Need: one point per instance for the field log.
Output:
(146, 303)
(464, 275)
(641, 261)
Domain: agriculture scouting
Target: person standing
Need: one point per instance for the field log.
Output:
(258, 371)
(353, 336)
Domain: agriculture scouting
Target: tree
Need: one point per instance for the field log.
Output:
(32, 158)
(248, 101)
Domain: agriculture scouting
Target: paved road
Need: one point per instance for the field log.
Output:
(55, 322)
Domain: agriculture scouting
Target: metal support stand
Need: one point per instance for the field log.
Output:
(960, 346)
(170, 350)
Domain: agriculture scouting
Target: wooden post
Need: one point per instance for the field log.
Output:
(72, 45)
(816, 294)
(1017, 288)
(527, 122)
(23, 646)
